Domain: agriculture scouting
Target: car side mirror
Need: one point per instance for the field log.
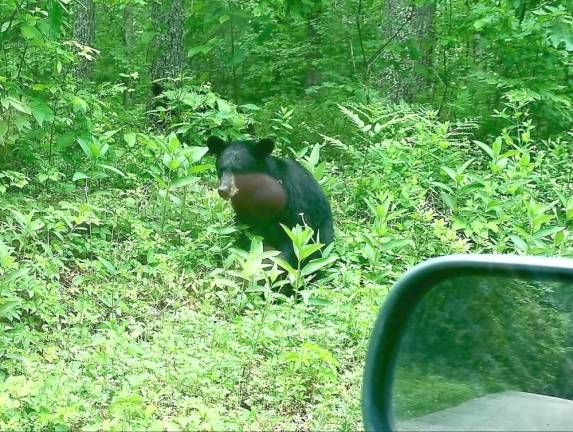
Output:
(474, 343)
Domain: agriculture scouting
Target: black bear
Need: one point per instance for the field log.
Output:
(267, 191)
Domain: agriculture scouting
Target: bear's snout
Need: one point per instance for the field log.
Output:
(223, 193)
(227, 187)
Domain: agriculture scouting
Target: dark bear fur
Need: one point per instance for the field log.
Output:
(305, 201)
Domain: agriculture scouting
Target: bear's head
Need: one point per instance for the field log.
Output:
(238, 157)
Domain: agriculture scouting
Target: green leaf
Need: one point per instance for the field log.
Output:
(130, 139)
(183, 181)
(519, 242)
(449, 200)
(102, 150)
(113, 169)
(561, 32)
(174, 164)
(79, 176)
(107, 265)
(199, 168)
(547, 232)
(21, 122)
(258, 289)
(55, 19)
(316, 264)
(31, 33)
(79, 104)
(315, 301)
(173, 143)
(6, 259)
(465, 165)
(470, 187)
(560, 237)
(238, 57)
(195, 153)
(86, 147)
(485, 148)
(199, 49)
(250, 107)
(309, 249)
(285, 265)
(42, 112)
(20, 217)
(451, 173)
(442, 186)
(62, 427)
(3, 129)
(166, 159)
(21, 106)
(8, 311)
(394, 244)
(496, 147)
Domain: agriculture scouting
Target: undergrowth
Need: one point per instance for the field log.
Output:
(125, 305)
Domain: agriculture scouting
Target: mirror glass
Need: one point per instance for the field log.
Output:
(487, 353)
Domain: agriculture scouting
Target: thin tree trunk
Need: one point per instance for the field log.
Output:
(128, 43)
(168, 20)
(312, 73)
(403, 21)
(84, 34)
(423, 24)
(233, 66)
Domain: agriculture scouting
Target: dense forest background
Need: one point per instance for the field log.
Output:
(434, 127)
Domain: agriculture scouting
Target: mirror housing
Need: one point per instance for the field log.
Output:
(377, 407)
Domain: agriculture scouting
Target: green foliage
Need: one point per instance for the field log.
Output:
(189, 110)
(147, 267)
(420, 392)
(124, 303)
(501, 49)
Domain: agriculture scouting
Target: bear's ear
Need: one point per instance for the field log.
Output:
(215, 144)
(264, 148)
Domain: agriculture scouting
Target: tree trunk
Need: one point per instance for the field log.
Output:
(84, 35)
(424, 27)
(312, 73)
(128, 43)
(168, 21)
(403, 23)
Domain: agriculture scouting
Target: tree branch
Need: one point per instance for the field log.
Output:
(378, 53)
